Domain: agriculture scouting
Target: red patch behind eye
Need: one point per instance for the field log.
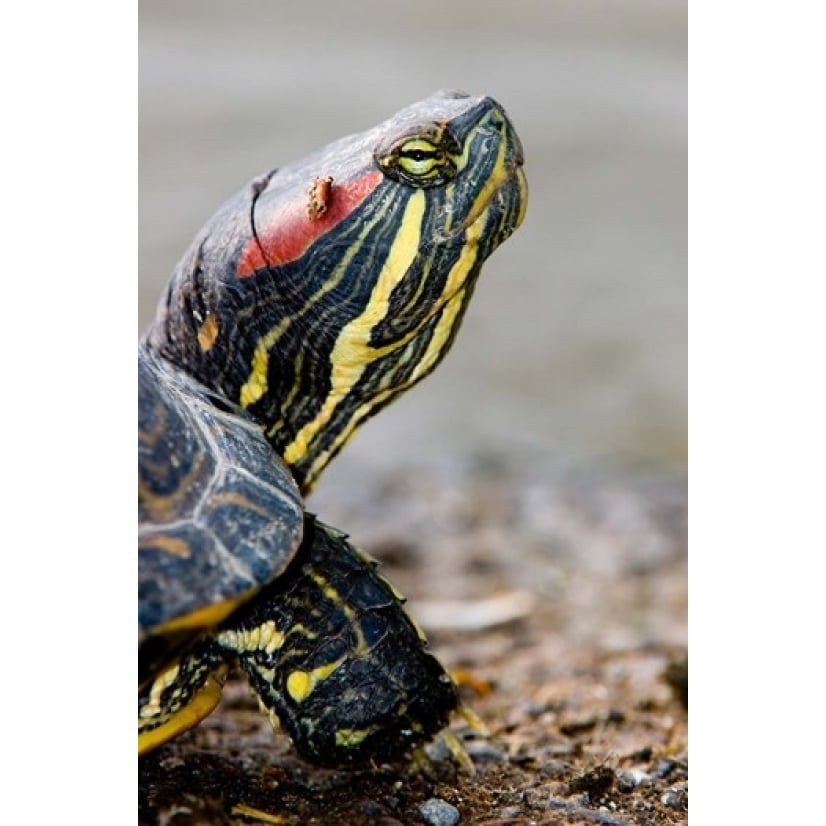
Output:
(289, 231)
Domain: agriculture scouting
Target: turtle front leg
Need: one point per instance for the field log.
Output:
(336, 660)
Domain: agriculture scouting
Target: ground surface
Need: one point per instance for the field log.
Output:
(558, 597)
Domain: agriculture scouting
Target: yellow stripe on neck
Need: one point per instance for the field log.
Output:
(256, 384)
(453, 299)
(352, 351)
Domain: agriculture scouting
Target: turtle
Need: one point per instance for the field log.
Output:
(311, 299)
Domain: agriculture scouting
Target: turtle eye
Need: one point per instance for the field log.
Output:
(419, 162)
(420, 158)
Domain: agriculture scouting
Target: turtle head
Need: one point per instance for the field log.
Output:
(324, 289)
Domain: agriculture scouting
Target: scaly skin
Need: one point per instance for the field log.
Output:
(311, 300)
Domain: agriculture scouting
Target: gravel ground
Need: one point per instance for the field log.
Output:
(558, 598)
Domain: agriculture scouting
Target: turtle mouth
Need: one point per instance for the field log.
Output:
(507, 195)
(505, 187)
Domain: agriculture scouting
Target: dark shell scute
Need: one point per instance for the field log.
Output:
(219, 512)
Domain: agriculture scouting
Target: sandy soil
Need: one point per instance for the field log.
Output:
(569, 640)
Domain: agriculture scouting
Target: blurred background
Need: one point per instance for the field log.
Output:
(574, 346)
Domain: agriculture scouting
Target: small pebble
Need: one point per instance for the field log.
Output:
(664, 768)
(676, 797)
(629, 779)
(438, 812)
(483, 752)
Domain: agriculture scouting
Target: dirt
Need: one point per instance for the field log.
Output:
(557, 597)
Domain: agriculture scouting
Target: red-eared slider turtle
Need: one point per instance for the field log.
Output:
(311, 300)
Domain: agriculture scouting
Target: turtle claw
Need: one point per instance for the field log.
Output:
(473, 720)
(457, 751)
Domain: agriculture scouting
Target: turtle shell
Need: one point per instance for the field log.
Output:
(219, 512)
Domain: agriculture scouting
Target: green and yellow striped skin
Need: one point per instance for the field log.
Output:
(322, 323)
(311, 300)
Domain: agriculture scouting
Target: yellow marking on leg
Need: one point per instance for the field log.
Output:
(352, 351)
(302, 631)
(334, 596)
(265, 637)
(301, 683)
(268, 674)
(202, 702)
(349, 737)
